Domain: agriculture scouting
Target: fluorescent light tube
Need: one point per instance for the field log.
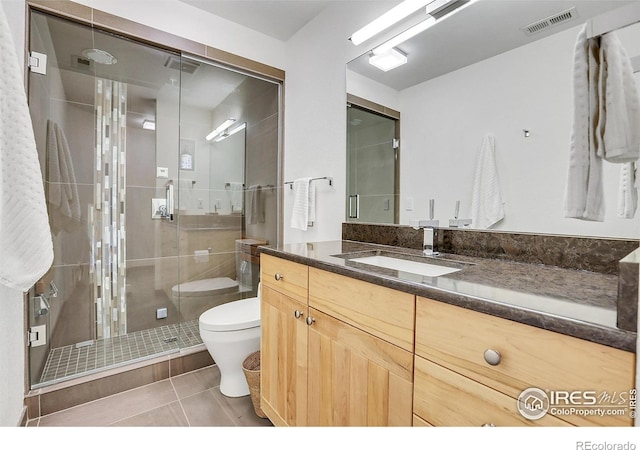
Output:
(231, 132)
(226, 124)
(404, 36)
(149, 125)
(388, 60)
(383, 22)
(420, 27)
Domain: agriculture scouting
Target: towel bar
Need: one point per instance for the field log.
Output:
(330, 179)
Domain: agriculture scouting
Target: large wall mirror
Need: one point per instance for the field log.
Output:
(502, 68)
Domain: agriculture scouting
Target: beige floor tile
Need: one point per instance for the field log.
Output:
(170, 415)
(240, 410)
(114, 408)
(203, 410)
(197, 381)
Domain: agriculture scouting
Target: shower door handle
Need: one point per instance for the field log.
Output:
(354, 206)
(169, 197)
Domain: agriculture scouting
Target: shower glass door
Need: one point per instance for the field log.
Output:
(96, 119)
(156, 208)
(372, 167)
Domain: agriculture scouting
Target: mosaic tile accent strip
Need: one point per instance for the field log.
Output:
(74, 360)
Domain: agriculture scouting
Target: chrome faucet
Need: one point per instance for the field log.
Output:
(430, 232)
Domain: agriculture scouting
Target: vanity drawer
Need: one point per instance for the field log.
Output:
(445, 398)
(285, 276)
(380, 311)
(457, 338)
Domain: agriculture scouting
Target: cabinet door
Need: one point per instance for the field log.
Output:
(283, 381)
(356, 379)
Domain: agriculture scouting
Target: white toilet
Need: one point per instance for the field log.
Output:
(231, 332)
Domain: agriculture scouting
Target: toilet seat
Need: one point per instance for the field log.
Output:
(232, 316)
(205, 288)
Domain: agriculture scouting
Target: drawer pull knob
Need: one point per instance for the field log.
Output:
(298, 313)
(278, 277)
(492, 357)
(310, 320)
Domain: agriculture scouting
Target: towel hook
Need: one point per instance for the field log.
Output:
(526, 133)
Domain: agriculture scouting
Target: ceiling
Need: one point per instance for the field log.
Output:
(279, 19)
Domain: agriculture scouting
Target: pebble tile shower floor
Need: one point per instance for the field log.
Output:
(71, 360)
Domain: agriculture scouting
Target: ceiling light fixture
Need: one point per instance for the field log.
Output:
(388, 60)
(149, 125)
(450, 6)
(226, 134)
(394, 15)
(226, 124)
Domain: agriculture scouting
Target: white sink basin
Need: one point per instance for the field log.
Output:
(405, 265)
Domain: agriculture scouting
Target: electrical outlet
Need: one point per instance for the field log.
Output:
(408, 204)
(200, 204)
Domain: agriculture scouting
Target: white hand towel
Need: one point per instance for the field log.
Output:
(618, 129)
(236, 192)
(26, 250)
(255, 205)
(64, 210)
(584, 194)
(312, 204)
(487, 206)
(300, 213)
(627, 192)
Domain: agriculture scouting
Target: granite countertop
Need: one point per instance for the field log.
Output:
(572, 302)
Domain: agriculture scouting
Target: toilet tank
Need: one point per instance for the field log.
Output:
(248, 262)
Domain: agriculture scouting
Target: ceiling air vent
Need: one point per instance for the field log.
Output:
(174, 62)
(551, 21)
(82, 63)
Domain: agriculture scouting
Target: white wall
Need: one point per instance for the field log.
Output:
(444, 121)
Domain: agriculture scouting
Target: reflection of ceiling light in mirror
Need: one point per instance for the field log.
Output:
(99, 56)
(226, 124)
(149, 125)
(388, 60)
(383, 22)
(226, 134)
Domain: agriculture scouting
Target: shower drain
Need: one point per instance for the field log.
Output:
(171, 339)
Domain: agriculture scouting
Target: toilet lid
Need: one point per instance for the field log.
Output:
(237, 315)
(202, 288)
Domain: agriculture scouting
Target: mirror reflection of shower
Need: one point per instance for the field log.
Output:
(116, 121)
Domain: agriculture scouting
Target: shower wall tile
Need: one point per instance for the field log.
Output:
(141, 156)
(143, 299)
(147, 237)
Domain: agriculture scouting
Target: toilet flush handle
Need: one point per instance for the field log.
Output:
(278, 277)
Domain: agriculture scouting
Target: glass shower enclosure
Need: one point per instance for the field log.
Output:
(147, 157)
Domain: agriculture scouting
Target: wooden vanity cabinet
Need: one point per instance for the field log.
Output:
(456, 385)
(325, 359)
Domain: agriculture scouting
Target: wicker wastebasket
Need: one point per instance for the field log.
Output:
(251, 369)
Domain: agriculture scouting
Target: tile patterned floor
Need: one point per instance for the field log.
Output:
(189, 400)
(73, 360)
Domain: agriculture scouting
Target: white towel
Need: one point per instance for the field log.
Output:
(584, 194)
(255, 205)
(64, 202)
(300, 213)
(26, 250)
(487, 206)
(236, 193)
(627, 192)
(618, 129)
